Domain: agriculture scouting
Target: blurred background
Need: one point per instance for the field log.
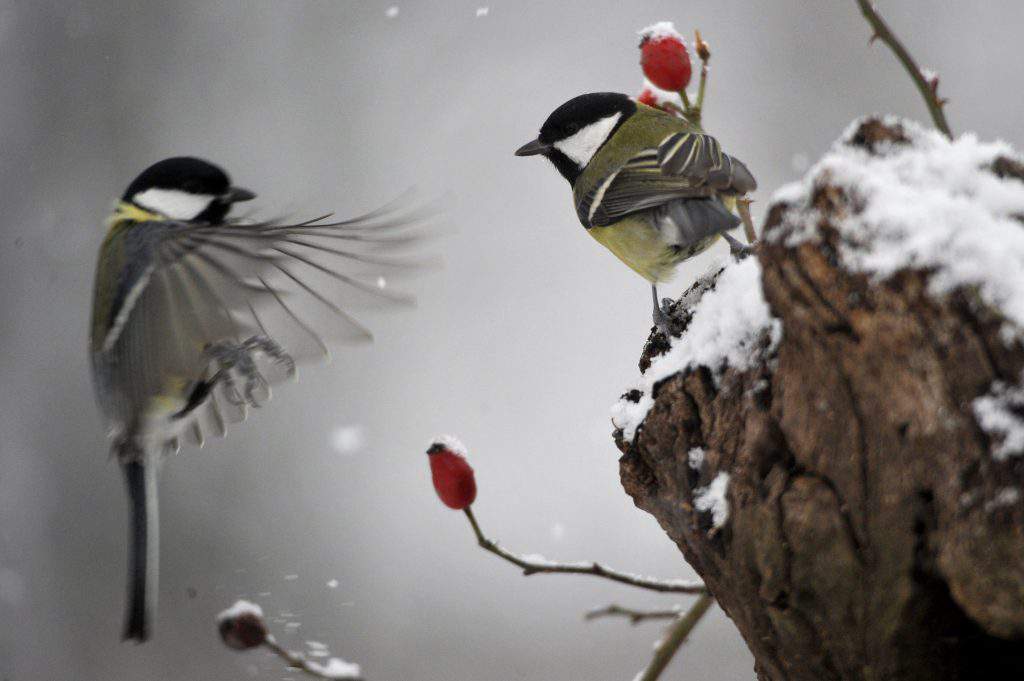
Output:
(519, 345)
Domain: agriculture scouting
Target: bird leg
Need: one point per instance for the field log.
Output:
(737, 248)
(239, 357)
(661, 318)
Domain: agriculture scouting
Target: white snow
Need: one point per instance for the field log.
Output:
(695, 457)
(662, 96)
(557, 531)
(336, 668)
(727, 324)
(931, 204)
(999, 414)
(349, 439)
(451, 443)
(332, 584)
(290, 578)
(1007, 496)
(483, 11)
(713, 498)
(391, 12)
(660, 30)
(241, 607)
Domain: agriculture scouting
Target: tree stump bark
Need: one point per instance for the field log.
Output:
(871, 533)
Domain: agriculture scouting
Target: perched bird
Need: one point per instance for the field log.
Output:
(195, 314)
(647, 185)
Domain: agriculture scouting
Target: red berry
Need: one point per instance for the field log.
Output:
(664, 58)
(647, 97)
(453, 476)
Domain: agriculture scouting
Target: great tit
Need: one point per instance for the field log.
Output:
(195, 314)
(647, 185)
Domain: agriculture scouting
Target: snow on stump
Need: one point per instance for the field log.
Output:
(856, 394)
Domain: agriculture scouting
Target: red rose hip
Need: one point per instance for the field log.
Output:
(453, 476)
(664, 58)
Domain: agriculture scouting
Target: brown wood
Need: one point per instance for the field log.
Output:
(863, 540)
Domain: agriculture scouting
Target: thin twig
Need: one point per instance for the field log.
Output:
(883, 33)
(666, 649)
(743, 207)
(704, 52)
(532, 566)
(634, 616)
(309, 667)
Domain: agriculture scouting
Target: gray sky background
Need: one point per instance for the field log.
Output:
(519, 345)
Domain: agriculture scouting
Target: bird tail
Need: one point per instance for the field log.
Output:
(696, 221)
(143, 540)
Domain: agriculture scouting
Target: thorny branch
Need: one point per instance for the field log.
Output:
(674, 638)
(305, 666)
(242, 627)
(928, 89)
(634, 616)
(532, 566)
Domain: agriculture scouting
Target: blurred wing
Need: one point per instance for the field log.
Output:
(291, 282)
(684, 166)
(190, 285)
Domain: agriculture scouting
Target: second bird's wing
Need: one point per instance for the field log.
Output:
(684, 166)
(225, 283)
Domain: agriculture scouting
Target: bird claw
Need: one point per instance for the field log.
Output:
(239, 357)
(737, 249)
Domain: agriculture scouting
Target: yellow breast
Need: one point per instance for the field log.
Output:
(636, 242)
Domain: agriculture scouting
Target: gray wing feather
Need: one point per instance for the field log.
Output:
(189, 285)
(683, 166)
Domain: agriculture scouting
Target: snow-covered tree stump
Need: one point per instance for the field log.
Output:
(836, 441)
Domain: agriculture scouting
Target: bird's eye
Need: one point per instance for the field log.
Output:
(571, 128)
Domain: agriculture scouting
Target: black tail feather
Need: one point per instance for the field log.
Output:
(143, 540)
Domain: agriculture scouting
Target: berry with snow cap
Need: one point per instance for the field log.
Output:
(453, 477)
(242, 627)
(664, 58)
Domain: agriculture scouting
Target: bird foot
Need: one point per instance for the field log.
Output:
(663, 318)
(738, 249)
(232, 358)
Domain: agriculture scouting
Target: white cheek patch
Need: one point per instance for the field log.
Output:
(582, 146)
(173, 203)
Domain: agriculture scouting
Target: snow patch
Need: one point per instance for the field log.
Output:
(451, 443)
(1007, 496)
(241, 607)
(663, 96)
(659, 31)
(726, 326)
(337, 669)
(713, 498)
(929, 204)
(1000, 413)
(695, 457)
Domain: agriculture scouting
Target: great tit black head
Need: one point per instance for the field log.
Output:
(575, 131)
(185, 188)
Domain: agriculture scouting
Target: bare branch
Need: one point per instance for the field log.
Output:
(928, 90)
(242, 627)
(334, 670)
(674, 638)
(634, 616)
(531, 566)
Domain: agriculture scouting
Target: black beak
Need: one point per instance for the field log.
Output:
(533, 148)
(236, 194)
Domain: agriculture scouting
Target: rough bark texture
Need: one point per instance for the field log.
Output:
(865, 539)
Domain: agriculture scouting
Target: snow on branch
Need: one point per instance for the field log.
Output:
(242, 627)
